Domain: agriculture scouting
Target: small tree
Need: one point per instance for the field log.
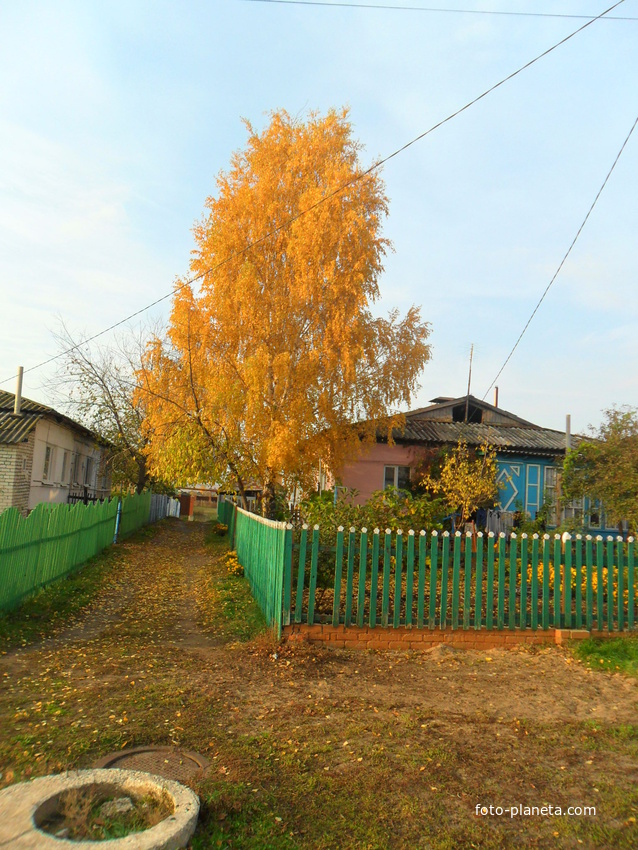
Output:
(605, 467)
(96, 386)
(467, 480)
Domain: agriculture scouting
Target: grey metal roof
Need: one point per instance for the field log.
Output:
(7, 401)
(14, 429)
(506, 432)
(505, 438)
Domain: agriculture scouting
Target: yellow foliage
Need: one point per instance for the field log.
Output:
(466, 482)
(583, 582)
(267, 367)
(232, 564)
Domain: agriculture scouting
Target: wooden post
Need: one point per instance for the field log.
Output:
(336, 602)
(363, 560)
(312, 588)
(374, 579)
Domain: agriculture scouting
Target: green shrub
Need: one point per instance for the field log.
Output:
(389, 508)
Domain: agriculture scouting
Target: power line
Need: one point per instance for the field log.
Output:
(435, 9)
(322, 200)
(562, 262)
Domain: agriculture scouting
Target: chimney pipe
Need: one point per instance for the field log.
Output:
(495, 396)
(568, 432)
(18, 398)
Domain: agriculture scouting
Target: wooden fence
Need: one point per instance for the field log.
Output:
(54, 539)
(134, 513)
(441, 581)
(263, 549)
(461, 581)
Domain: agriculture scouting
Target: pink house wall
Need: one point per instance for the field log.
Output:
(366, 474)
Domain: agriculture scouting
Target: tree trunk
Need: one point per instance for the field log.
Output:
(242, 492)
(142, 473)
(268, 498)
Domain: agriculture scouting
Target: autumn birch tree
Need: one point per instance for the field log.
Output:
(275, 356)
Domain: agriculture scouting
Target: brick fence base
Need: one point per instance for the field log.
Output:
(353, 637)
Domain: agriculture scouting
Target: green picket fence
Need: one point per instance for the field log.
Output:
(264, 549)
(427, 581)
(226, 515)
(54, 539)
(135, 513)
(387, 580)
(49, 543)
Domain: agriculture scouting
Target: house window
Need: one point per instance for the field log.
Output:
(551, 480)
(396, 476)
(47, 469)
(88, 472)
(75, 468)
(574, 509)
(65, 465)
(607, 522)
(550, 493)
(595, 514)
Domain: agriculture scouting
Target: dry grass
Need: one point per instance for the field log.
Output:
(80, 815)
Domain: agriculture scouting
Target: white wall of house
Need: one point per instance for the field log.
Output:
(62, 461)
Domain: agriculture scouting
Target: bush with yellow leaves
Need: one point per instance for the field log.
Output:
(232, 564)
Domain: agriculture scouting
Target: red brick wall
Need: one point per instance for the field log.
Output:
(353, 637)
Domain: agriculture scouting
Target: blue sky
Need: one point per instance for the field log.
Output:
(116, 117)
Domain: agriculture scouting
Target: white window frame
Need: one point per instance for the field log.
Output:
(529, 506)
(49, 460)
(395, 468)
(88, 471)
(595, 506)
(65, 467)
(552, 490)
(74, 478)
(575, 509)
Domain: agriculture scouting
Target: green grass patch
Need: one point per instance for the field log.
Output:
(226, 604)
(240, 616)
(56, 604)
(60, 603)
(615, 655)
(236, 812)
(215, 533)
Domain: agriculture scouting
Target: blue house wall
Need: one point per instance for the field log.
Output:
(523, 480)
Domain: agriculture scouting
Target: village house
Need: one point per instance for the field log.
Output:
(47, 457)
(529, 457)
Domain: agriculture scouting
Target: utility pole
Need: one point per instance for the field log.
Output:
(469, 381)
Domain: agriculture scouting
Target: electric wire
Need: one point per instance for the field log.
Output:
(566, 255)
(322, 200)
(437, 9)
